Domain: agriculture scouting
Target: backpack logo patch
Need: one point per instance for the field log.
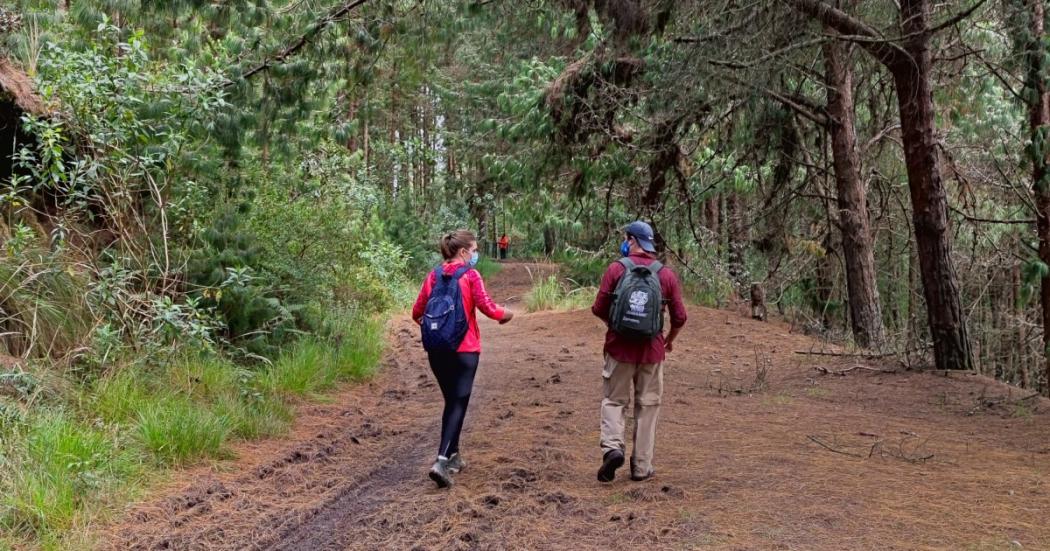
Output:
(638, 300)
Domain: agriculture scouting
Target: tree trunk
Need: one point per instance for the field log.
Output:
(549, 241)
(758, 302)
(711, 214)
(736, 237)
(351, 116)
(1039, 132)
(864, 303)
(910, 63)
(929, 202)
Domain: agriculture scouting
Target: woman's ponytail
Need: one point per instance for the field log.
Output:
(452, 243)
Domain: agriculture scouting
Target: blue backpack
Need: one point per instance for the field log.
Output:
(444, 319)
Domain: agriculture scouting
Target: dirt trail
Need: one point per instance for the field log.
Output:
(756, 450)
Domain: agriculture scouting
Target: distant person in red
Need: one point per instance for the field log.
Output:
(504, 246)
(633, 295)
(446, 311)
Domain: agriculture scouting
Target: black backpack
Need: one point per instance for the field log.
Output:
(444, 320)
(637, 309)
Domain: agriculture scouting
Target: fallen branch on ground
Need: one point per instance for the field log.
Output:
(845, 354)
(879, 447)
(829, 448)
(843, 372)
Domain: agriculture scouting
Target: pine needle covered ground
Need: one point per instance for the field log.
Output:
(757, 449)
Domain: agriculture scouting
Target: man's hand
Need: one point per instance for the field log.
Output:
(507, 316)
(671, 336)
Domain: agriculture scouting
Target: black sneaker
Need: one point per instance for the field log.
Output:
(439, 473)
(612, 460)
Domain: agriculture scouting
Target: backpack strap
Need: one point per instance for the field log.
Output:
(655, 267)
(439, 272)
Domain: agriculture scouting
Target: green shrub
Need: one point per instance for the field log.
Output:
(228, 273)
(584, 267)
(178, 431)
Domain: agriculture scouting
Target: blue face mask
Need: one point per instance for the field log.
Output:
(625, 248)
(473, 259)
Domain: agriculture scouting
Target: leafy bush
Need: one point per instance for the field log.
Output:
(585, 267)
(227, 277)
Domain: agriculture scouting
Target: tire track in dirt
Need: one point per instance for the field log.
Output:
(276, 489)
(329, 525)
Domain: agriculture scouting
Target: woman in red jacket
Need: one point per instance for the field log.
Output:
(455, 371)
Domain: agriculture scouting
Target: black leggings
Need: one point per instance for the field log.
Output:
(455, 375)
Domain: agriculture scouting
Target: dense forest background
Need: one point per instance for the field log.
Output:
(234, 191)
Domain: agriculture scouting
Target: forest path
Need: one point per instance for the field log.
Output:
(756, 450)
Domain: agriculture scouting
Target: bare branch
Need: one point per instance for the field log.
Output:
(958, 17)
(310, 34)
(870, 39)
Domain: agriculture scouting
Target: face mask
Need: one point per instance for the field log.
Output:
(473, 259)
(625, 248)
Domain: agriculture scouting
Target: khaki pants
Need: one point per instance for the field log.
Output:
(648, 382)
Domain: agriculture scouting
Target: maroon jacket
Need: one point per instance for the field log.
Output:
(627, 350)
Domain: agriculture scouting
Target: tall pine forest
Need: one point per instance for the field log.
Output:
(208, 208)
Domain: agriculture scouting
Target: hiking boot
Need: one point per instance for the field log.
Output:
(637, 477)
(612, 460)
(439, 473)
(455, 463)
(640, 477)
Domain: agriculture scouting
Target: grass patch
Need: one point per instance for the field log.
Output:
(552, 294)
(55, 468)
(69, 461)
(178, 431)
(817, 392)
(357, 355)
(306, 368)
(780, 400)
(120, 397)
(487, 266)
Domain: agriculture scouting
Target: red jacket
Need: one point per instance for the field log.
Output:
(633, 350)
(472, 288)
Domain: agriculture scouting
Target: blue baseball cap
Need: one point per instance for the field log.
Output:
(642, 233)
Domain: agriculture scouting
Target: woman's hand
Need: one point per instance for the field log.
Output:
(507, 316)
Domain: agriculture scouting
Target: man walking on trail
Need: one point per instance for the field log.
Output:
(631, 301)
(504, 246)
